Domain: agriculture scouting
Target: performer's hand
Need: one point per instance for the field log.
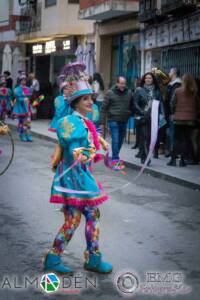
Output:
(103, 143)
(4, 129)
(53, 168)
(26, 100)
(56, 157)
(84, 159)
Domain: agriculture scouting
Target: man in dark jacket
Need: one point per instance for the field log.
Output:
(116, 107)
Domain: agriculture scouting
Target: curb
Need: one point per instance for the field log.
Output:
(169, 178)
(134, 166)
(38, 135)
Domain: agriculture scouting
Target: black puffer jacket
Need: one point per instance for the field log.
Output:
(116, 105)
(140, 100)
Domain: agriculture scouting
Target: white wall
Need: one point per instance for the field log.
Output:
(6, 36)
(16, 7)
(4, 12)
(61, 19)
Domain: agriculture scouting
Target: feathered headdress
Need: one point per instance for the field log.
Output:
(23, 76)
(74, 78)
(161, 76)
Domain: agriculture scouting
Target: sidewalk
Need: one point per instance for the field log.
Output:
(188, 176)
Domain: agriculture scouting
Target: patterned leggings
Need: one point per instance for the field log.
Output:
(24, 125)
(72, 216)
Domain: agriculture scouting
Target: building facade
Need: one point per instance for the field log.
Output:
(51, 32)
(170, 35)
(117, 39)
(12, 53)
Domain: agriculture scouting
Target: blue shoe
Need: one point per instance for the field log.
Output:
(53, 263)
(95, 264)
(22, 137)
(29, 138)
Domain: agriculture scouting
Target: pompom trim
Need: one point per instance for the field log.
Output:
(77, 201)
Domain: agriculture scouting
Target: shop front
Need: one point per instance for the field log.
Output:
(126, 57)
(46, 61)
(174, 44)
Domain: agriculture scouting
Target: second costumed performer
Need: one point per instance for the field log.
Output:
(74, 185)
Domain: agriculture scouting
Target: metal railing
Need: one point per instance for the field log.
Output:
(169, 5)
(30, 19)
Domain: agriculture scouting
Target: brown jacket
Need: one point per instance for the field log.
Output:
(184, 106)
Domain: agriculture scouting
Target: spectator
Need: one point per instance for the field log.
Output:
(21, 109)
(116, 107)
(98, 86)
(137, 124)
(184, 107)
(9, 81)
(19, 75)
(34, 83)
(143, 98)
(35, 90)
(175, 82)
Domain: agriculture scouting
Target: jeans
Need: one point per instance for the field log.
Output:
(170, 135)
(118, 132)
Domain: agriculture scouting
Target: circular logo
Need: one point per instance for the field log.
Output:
(127, 283)
(50, 283)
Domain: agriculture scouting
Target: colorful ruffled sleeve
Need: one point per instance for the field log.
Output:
(73, 137)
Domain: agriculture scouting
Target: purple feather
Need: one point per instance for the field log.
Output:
(73, 69)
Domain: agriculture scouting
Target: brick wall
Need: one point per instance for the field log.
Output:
(88, 3)
(12, 23)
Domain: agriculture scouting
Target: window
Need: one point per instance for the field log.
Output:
(50, 3)
(73, 1)
(147, 5)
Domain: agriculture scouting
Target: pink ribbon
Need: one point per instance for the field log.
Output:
(70, 167)
(70, 191)
(64, 190)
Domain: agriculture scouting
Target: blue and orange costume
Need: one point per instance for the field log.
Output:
(62, 109)
(75, 187)
(5, 99)
(22, 112)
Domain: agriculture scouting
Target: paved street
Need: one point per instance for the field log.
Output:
(147, 226)
(189, 176)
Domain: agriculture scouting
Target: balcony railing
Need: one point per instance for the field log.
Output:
(106, 9)
(148, 15)
(170, 6)
(30, 19)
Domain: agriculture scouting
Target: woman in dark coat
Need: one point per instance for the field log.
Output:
(184, 106)
(143, 97)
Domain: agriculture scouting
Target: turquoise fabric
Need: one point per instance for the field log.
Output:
(79, 93)
(21, 107)
(72, 133)
(7, 98)
(62, 109)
